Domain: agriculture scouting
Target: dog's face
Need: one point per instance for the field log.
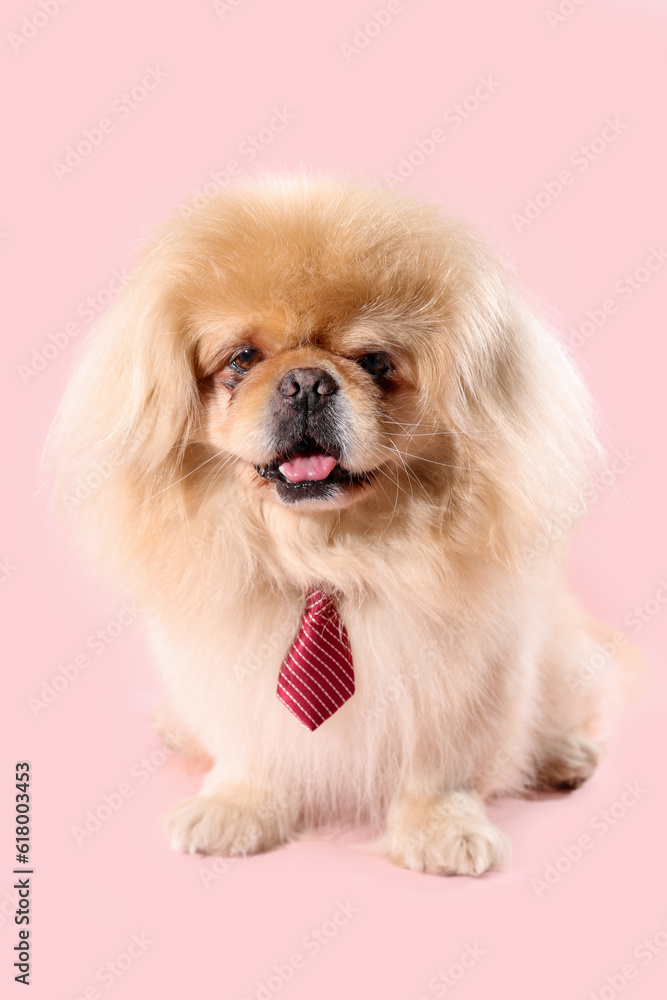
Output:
(305, 414)
(316, 418)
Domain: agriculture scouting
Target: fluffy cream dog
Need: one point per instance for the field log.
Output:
(441, 440)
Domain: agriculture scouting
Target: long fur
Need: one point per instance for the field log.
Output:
(465, 643)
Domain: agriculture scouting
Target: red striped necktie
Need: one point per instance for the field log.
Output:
(317, 676)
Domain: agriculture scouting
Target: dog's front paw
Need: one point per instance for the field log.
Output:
(448, 835)
(226, 822)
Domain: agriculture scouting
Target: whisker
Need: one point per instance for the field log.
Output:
(398, 488)
(420, 458)
(458, 433)
(177, 481)
(396, 451)
(213, 473)
(397, 484)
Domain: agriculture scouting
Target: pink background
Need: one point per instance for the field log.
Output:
(62, 239)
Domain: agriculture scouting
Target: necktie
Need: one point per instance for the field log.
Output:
(317, 676)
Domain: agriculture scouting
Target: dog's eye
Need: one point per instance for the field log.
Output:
(245, 359)
(376, 365)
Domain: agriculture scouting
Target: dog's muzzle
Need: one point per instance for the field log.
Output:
(307, 416)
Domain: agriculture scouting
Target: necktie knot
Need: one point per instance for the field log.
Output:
(317, 675)
(319, 606)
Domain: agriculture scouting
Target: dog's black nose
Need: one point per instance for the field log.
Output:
(307, 388)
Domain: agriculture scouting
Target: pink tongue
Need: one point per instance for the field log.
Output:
(304, 467)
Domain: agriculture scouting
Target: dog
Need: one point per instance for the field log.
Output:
(318, 397)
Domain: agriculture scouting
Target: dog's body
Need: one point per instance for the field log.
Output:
(323, 321)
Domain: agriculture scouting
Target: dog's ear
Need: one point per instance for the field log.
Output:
(131, 404)
(524, 414)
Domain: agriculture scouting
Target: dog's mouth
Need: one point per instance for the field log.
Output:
(307, 471)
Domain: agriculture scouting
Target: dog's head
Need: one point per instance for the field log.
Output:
(325, 347)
